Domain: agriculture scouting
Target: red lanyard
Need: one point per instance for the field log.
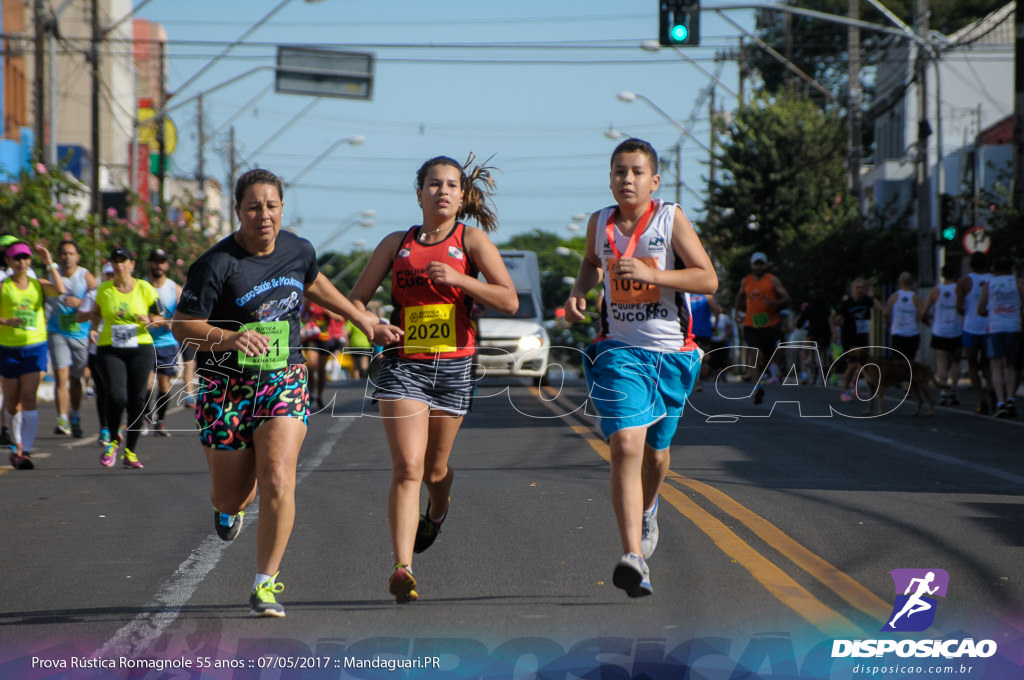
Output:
(635, 238)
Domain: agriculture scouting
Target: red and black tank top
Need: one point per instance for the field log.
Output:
(435, 317)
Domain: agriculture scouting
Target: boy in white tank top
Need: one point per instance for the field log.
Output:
(644, 364)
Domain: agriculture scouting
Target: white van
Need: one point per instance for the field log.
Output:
(516, 344)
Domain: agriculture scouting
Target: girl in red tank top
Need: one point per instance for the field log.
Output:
(435, 317)
(425, 383)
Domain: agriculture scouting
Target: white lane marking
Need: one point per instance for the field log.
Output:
(135, 637)
(859, 431)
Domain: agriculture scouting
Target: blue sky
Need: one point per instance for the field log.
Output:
(532, 83)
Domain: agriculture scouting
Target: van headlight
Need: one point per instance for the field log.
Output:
(529, 343)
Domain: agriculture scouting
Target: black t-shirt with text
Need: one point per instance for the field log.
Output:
(230, 287)
(856, 329)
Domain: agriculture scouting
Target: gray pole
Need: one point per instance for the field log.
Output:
(201, 171)
(38, 80)
(232, 169)
(1018, 111)
(925, 268)
(853, 107)
(94, 59)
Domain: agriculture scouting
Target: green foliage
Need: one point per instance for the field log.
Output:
(47, 206)
(782, 190)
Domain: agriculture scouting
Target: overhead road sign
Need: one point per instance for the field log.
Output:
(320, 72)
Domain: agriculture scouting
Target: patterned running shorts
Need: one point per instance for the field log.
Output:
(230, 408)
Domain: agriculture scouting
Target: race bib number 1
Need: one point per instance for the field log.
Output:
(429, 329)
(276, 357)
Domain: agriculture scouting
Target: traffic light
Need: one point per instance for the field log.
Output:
(949, 221)
(679, 22)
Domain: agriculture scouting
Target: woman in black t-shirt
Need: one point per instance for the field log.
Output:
(240, 310)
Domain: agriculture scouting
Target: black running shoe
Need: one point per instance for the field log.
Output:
(427, 531)
(228, 526)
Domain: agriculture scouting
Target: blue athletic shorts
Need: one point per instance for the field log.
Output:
(973, 340)
(1002, 345)
(18, 361)
(637, 387)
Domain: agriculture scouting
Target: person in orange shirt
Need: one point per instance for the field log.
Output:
(761, 295)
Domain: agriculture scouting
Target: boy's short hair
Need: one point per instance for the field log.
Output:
(633, 144)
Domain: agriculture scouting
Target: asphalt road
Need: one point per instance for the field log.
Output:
(778, 522)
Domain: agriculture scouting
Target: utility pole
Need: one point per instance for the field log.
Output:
(94, 62)
(232, 171)
(853, 106)
(1018, 112)
(200, 172)
(925, 246)
(161, 170)
(38, 80)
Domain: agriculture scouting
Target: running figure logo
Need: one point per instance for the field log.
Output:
(914, 609)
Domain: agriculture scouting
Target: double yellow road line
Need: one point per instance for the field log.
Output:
(782, 586)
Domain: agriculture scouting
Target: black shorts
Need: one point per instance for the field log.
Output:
(946, 344)
(763, 340)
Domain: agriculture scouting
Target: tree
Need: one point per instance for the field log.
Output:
(782, 190)
(47, 206)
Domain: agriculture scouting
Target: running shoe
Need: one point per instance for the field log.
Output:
(130, 461)
(76, 428)
(758, 395)
(263, 602)
(20, 459)
(402, 585)
(427, 531)
(649, 532)
(943, 398)
(228, 526)
(160, 430)
(109, 454)
(63, 426)
(846, 396)
(633, 575)
(189, 401)
(1002, 411)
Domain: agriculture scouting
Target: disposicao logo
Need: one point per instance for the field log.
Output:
(916, 592)
(914, 611)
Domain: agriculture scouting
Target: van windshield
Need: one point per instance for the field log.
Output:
(526, 310)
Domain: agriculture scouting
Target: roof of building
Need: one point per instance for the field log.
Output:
(996, 28)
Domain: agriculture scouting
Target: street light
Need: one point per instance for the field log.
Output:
(352, 220)
(628, 96)
(566, 252)
(354, 140)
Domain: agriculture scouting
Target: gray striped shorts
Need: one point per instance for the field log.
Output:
(442, 384)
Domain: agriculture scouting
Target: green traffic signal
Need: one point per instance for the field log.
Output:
(948, 233)
(679, 33)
